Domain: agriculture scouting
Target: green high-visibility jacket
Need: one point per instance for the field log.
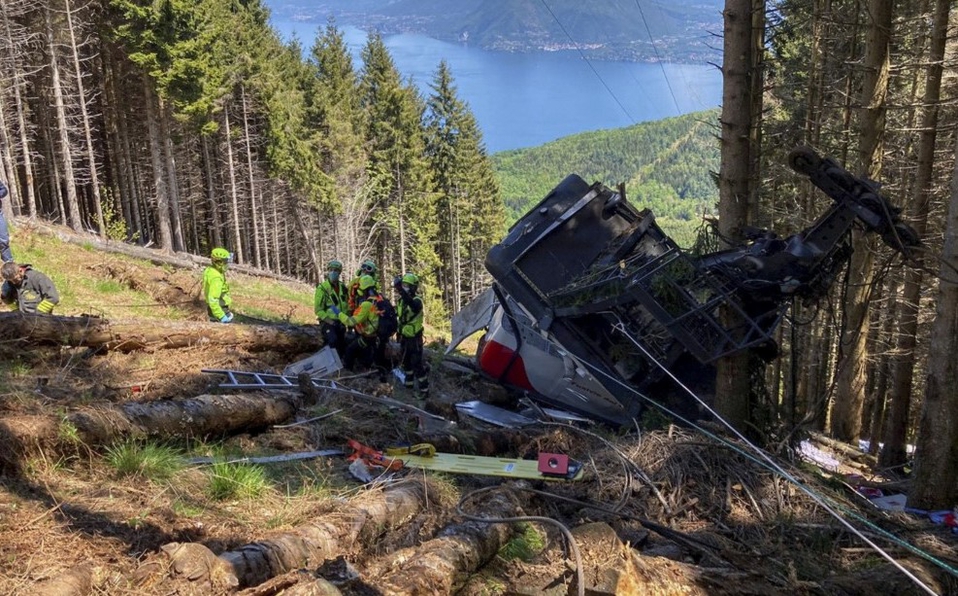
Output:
(365, 319)
(328, 295)
(410, 315)
(216, 292)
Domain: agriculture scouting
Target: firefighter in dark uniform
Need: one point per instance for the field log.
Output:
(32, 291)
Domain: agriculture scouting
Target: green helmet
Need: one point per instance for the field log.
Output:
(334, 265)
(368, 268)
(366, 282)
(220, 254)
(411, 279)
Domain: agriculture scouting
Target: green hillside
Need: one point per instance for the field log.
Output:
(666, 166)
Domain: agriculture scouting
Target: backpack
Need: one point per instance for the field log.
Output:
(388, 319)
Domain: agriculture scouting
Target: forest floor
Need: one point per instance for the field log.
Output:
(657, 511)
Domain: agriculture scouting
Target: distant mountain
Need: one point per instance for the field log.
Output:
(645, 30)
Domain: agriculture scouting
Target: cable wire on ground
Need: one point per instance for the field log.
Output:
(579, 571)
(766, 461)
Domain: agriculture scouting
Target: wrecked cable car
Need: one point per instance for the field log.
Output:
(594, 307)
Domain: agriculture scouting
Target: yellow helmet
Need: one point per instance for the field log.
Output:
(220, 254)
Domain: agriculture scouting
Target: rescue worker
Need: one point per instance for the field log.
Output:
(410, 310)
(365, 322)
(216, 291)
(5, 254)
(330, 299)
(366, 268)
(32, 291)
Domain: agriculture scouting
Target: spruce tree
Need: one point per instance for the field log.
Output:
(402, 191)
(469, 203)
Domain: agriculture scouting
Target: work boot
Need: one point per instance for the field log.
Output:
(423, 387)
(408, 379)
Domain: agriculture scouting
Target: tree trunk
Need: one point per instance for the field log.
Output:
(732, 377)
(66, 153)
(894, 453)
(256, 254)
(215, 236)
(198, 417)
(20, 103)
(234, 191)
(442, 565)
(936, 477)
(172, 185)
(850, 384)
(364, 519)
(128, 336)
(87, 127)
(159, 175)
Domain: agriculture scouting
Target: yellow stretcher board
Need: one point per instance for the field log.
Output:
(484, 466)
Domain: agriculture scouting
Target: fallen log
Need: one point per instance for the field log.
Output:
(362, 520)
(297, 583)
(78, 581)
(443, 565)
(129, 336)
(155, 256)
(202, 416)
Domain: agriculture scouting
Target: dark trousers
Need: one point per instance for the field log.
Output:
(414, 367)
(334, 334)
(359, 352)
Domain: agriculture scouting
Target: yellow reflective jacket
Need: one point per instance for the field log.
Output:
(216, 292)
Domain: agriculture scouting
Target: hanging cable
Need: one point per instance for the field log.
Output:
(658, 58)
(589, 62)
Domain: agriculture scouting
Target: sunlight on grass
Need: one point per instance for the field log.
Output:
(12, 369)
(181, 507)
(149, 460)
(236, 481)
(68, 432)
(108, 286)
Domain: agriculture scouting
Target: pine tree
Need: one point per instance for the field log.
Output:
(402, 193)
(337, 121)
(469, 203)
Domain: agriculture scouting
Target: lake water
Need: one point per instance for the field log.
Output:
(524, 100)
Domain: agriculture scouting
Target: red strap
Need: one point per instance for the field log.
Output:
(372, 456)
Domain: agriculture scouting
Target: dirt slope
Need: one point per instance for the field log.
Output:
(663, 512)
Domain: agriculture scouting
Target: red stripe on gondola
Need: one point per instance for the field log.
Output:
(496, 357)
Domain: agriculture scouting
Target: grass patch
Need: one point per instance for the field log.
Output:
(108, 286)
(149, 460)
(236, 481)
(68, 432)
(525, 545)
(181, 507)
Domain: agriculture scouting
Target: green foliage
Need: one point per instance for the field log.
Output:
(665, 165)
(116, 228)
(525, 544)
(236, 481)
(145, 460)
(68, 433)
